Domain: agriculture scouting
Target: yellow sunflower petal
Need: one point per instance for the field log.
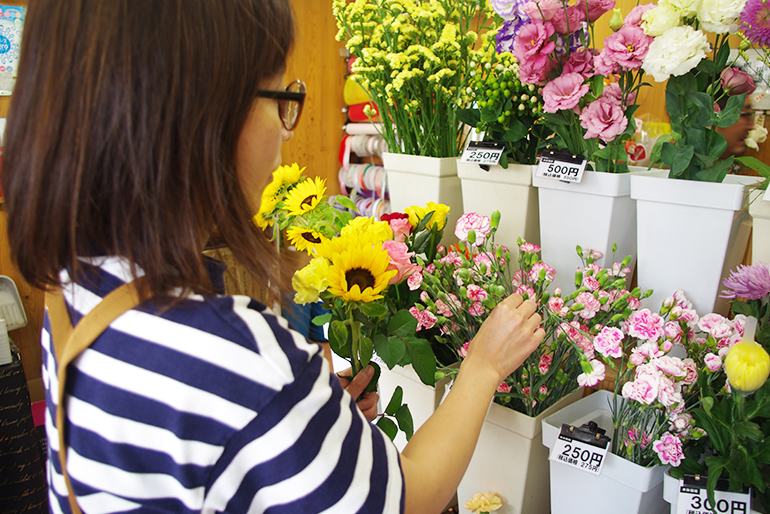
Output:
(305, 239)
(305, 196)
(360, 274)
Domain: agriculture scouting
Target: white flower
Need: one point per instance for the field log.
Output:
(756, 135)
(687, 8)
(675, 52)
(720, 16)
(660, 19)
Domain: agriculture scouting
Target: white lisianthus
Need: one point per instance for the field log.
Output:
(659, 19)
(720, 16)
(756, 135)
(675, 52)
(687, 8)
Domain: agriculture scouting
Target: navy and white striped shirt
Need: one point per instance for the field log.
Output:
(211, 406)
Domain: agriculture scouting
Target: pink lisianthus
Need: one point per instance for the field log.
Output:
(580, 61)
(644, 324)
(415, 280)
(471, 221)
(634, 17)
(532, 74)
(713, 362)
(542, 10)
(476, 293)
(590, 305)
(596, 8)
(425, 319)
(594, 377)
(669, 449)
(532, 47)
(627, 47)
(564, 92)
(566, 23)
(736, 82)
(614, 95)
(603, 119)
(608, 342)
(400, 260)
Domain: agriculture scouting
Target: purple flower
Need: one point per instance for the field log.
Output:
(736, 82)
(750, 282)
(755, 22)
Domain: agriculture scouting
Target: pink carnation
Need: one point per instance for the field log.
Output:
(594, 377)
(608, 342)
(643, 389)
(526, 291)
(673, 331)
(471, 221)
(590, 305)
(545, 364)
(463, 351)
(415, 280)
(564, 92)
(590, 283)
(476, 293)
(425, 319)
(669, 449)
(644, 324)
(476, 309)
(603, 119)
(529, 248)
(556, 304)
(443, 309)
(716, 325)
(504, 388)
(534, 273)
(690, 371)
(712, 362)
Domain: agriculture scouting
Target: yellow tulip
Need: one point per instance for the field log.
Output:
(747, 366)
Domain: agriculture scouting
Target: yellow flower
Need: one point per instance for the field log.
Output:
(437, 221)
(262, 218)
(379, 231)
(310, 281)
(486, 502)
(747, 366)
(305, 196)
(360, 274)
(305, 239)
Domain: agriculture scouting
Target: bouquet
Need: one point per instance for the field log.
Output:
(413, 57)
(702, 93)
(465, 282)
(588, 96)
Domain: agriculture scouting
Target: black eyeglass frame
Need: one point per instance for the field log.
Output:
(295, 96)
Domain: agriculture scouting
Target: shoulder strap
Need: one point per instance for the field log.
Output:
(70, 342)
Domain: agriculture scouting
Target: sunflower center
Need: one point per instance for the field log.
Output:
(308, 236)
(308, 200)
(360, 277)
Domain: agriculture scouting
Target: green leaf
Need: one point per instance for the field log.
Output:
(655, 155)
(374, 309)
(756, 165)
(748, 430)
(718, 145)
(338, 338)
(421, 242)
(703, 107)
(388, 427)
(422, 358)
(402, 323)
(346, 203)
(323, 319)
(405, 423)
(470, 117)
(516, 132)
(716, 172)
(668, 152)
(730, 115)
(682, 159)
(372, 385)
(365, 350)
(715, 466)
(395, 401)
(391, 350)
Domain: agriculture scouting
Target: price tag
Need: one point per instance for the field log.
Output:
(582, 447)
(693, 498)
(560, 165)
(483, 152)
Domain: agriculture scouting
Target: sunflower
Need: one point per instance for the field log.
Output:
(305, 196)
(360, 274)
(305, 239)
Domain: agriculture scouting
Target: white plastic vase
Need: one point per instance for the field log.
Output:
(595, 213)
(509, 460)
(622, 487)
(509, 191)
(759, 209)
(690, 235)
(417, 180)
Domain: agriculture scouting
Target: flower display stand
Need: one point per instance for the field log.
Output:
(622, 487)
(509, 191)
(417, 180)
(509, 460)
(671, 493)
(595, 213)
(690, 235)
(421, 399)
(759, 209)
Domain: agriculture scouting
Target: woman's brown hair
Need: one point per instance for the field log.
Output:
(122, 134)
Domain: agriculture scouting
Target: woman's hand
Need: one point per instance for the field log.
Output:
(367, 402)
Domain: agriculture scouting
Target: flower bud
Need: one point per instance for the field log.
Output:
(494, 220)
(747, 366)
(616, 21)
(744, 45)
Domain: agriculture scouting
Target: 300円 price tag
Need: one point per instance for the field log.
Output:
(693, 498)
(584, 448)
(483, 152)
(560, 165)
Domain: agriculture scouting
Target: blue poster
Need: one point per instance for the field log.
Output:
(11, 24)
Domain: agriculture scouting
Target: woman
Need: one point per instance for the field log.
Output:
(138, 129)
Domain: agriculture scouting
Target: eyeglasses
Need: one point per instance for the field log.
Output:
(290, 102)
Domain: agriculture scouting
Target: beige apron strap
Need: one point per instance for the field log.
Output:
(69, 343)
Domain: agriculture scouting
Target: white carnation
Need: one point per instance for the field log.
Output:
(675, 52)
(659, 19)
(720, 16)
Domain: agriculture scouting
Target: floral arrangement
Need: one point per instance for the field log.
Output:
(413, 57)
(362, 270)
(588, 96)
(484, 503)
(465, 282)
(507, 111)
(696, 84)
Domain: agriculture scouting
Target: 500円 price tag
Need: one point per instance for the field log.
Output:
(560, 165)
(693, 498)
(583, 447)
(483, 152)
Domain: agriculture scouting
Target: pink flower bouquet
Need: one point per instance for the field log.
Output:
(465, 282)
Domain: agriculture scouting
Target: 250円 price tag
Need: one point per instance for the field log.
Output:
(693, 498)
(483, 152)
(561, 165)
(583, 447)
